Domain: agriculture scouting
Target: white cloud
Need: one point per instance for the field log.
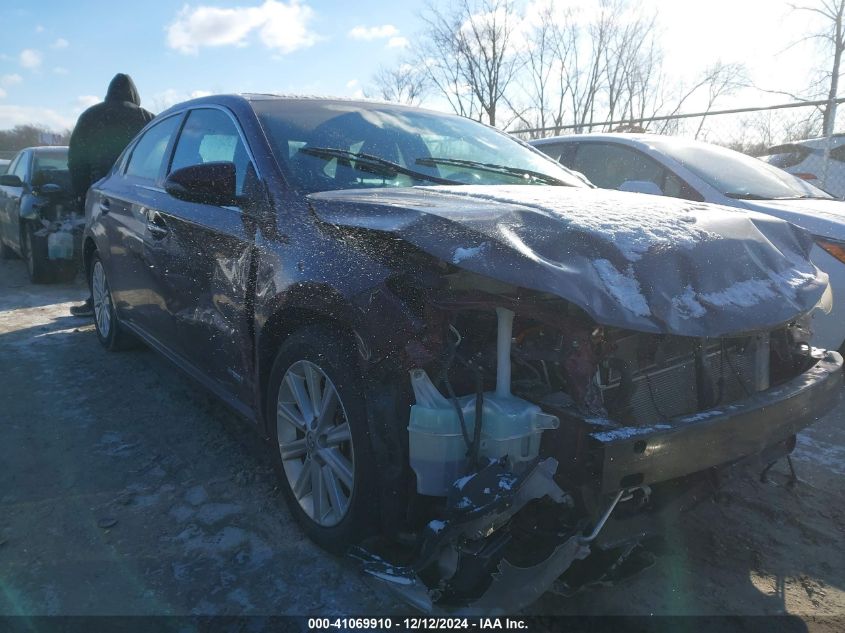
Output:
(61, 70)
(397, 42)
(39, 29)
(279, 25)
(30, 58)
(12, 115)
(373, 32)
(352, 83)
(60, 43)
(163, 100)
(10, 80)
(86, 101)
(2, 94)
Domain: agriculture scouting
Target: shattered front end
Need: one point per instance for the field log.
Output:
(577, 366)
(537, 435)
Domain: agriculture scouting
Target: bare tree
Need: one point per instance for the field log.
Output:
(402, 84)
(469, 54)
(832, 35)
(721, 79)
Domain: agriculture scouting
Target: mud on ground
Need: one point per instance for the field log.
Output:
(127, 489)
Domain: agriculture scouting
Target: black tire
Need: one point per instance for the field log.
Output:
(110, 333)
(7, 252)
(64, 271)
(334, 356)
(34, 250)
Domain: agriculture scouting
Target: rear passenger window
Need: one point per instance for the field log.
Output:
(149, 152)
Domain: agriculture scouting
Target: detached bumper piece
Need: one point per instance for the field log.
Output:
(479, 559)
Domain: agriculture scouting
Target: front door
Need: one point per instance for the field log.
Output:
(201, 256)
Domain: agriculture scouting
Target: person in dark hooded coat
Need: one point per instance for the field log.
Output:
(100, 135)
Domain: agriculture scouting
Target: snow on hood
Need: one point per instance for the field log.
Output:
(642, 262)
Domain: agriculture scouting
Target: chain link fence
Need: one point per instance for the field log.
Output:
(787, 135)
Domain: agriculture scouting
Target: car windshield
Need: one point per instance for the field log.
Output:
(737, 175)
(335, 145)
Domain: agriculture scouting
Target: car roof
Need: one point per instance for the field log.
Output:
(238, 101)
(616, 137)
(47, 149)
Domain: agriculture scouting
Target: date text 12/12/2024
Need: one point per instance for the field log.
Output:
(413, 624)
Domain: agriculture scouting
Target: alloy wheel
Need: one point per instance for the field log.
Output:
(315, 443)
(102, 299)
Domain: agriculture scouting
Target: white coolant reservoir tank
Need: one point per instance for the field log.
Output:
(60, 245)
(437, 449)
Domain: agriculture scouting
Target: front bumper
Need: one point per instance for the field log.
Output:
(692, 443)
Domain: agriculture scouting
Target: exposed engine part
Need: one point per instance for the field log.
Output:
(503, 425)
(466, 552)
(600, 524)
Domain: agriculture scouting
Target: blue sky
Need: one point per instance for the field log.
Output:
(76, 47)
(56, 57)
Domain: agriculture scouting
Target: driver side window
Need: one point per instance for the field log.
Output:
(210, 136)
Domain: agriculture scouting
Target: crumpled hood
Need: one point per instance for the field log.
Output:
(630, 260)
(122, 88)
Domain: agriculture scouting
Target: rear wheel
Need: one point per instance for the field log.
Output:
(318, 412)
(109, 330)
(34, 248)
(6, 252)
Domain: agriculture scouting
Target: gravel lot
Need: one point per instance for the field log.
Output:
(126, 489)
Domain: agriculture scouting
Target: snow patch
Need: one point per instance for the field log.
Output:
(744, 294)
(634, 224)
(698, 417)
(687, 306)
(466, 253)
(623, 287)
(628, 431)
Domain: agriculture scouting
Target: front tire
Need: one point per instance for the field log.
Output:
(318, 414)
(110, 333)
(6, 252)
(34, 248)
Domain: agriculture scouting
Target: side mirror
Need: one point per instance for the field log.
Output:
(206, 183)
(9, 180)
(641, 186)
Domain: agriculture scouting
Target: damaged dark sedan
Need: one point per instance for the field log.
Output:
(475, 370)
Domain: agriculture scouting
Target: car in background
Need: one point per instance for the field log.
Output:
(4, 163)
(805, 159)
(703, 172)
(355, 278)
(38, 221)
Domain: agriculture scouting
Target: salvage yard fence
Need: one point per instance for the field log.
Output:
(752, 130)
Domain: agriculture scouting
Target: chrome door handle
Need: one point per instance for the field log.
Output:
(157, 226)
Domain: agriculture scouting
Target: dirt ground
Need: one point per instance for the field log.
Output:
(126, 489)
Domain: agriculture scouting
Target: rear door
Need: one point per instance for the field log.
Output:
(200, 255)
(125, 202)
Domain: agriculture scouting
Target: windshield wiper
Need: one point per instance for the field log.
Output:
(493, 168)
(737, 195)
(373, 164)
